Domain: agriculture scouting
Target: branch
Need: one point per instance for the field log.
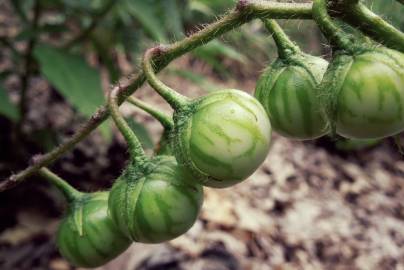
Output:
(358, 15)
(95, 20)
(244, 12)
(28, 60)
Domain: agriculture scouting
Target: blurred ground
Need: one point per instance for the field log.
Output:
(308, 207)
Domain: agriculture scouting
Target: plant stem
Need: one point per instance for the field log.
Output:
(285, 46)
(94, 23)
(175, 99)
(373, 25)
(337, 37)
(164, 119)
(135, 147)
(68, 191)
(241, 15)
(28, 61)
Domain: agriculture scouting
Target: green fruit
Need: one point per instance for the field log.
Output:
(155, 202)
(87, 236)
(367, 97)
(287, 90)
(222, 138)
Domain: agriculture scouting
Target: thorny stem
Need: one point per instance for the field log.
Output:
(175, 99)
(164, 119)
(68, 191)
(23, 105)
(285, 46)
(135, 147)
(371, 24)
(245, 12)
(95, 21)
(337, 37)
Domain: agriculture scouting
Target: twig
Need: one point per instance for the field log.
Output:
(245, 12)
(28, 59)
(95, 20)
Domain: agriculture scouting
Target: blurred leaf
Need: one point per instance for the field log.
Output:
(212, 51)
(46, 138)
(73, 78)
(197, 79)
(7, 108)
(146, 13)
(217, 6)
(142, 133)
(172, 18)
(201, 8)
(218, 48)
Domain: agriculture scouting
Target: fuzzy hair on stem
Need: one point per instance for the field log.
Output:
(245, 11)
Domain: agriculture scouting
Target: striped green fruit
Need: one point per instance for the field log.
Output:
(87, 236)
(368, 94)
(287, 90)
(157, 203)
(222, 138)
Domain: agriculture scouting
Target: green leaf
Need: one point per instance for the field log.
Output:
(172, 18)
(142, 133)
(201, 8)
(217, 48)
(7, 108)
(211, 52)
(197, 79)
(73, 78)
(146, 13)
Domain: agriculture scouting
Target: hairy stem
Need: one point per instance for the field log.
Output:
(164, 119)
(245, 12)
(285, 46)
(337, 37)
(68, 191)
(175, 99)
(373, 25)
(135, 147)
(90, 28)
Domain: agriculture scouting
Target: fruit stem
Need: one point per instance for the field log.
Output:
(164, 119)
(175, 99)
(338, 38)
(284, 44)
(70, 193)
(135, 147)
